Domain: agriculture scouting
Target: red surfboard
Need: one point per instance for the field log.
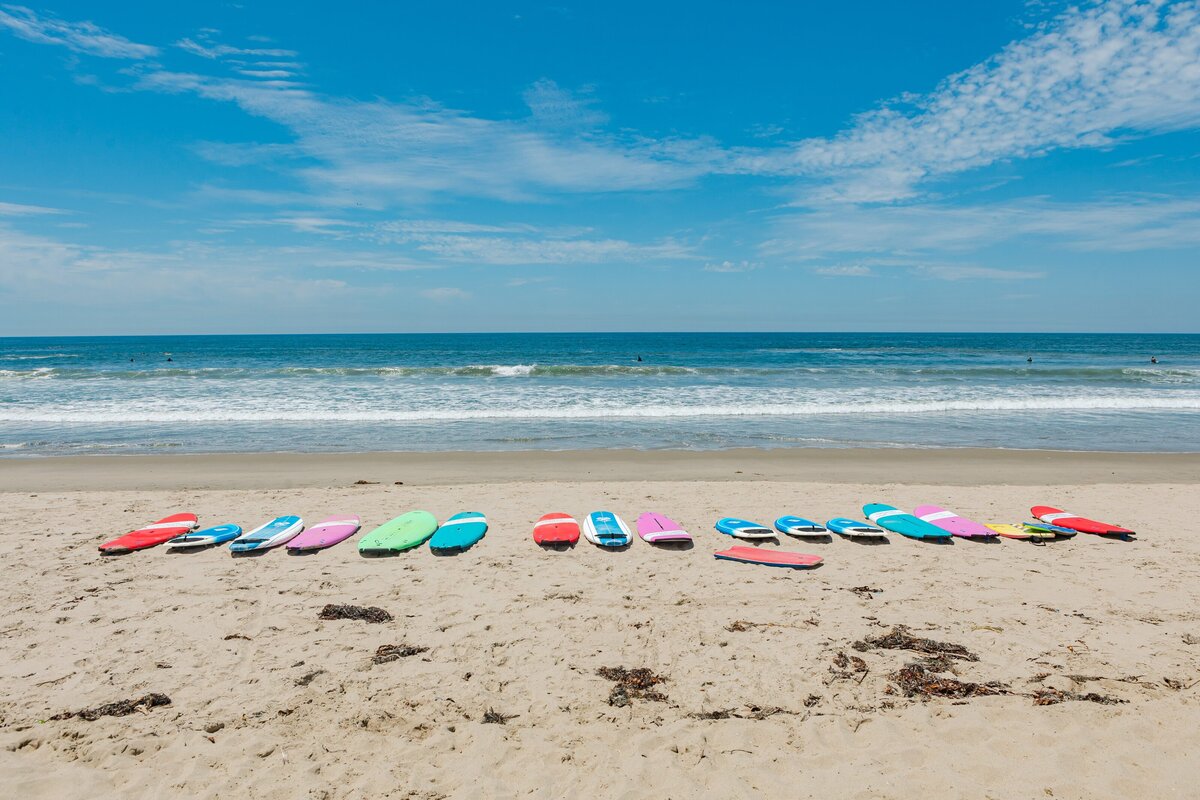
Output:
(157, 533)
(556, 529)
(1056, 516)
(768, 558)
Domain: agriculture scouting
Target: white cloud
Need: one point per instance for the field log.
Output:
(846, 271)
(937, 271)
(369, 260)
(1086, 79)
(519, 243)
(444, 293)
(515, 251)
(40, 266)
(217, 51)
(556, 107)
(300, 223)
(731, 266)
(409, 229)
(81, 37)
(266, 73)
(1091, 77)
(20, 210)
(1121, 223)
(963, 272)
(374, 152)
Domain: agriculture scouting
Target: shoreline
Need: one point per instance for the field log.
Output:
(952, 467)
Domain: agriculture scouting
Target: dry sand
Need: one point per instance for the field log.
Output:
(267, 701)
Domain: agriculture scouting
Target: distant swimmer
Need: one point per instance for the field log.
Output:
(639, 358)
(1029, 360)
(170, 359)
(1153, 359)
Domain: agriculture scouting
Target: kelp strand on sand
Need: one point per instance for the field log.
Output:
(632, 684)
(899, 638)
(367, 614)
(121, 708)
(914, 680)
(395, 652)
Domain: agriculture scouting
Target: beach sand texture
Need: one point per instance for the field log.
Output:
(268, 701)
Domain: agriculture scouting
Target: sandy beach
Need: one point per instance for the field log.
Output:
(765, 690)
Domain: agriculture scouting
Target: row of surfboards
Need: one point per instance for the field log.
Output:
(602, 528)
(179, 532)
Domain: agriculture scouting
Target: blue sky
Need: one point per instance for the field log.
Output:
(301, 167)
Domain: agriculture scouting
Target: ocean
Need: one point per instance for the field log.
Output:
(549, 391)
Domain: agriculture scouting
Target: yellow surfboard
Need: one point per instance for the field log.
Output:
(1018, 532)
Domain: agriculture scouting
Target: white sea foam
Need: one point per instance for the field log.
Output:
(41, 357)
(514, 371)
(309, 412)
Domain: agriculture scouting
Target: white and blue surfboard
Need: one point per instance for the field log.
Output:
(606, 529)
(268, 535)
(205, 538)
(799, 526)
(743, 529)
(844, 526)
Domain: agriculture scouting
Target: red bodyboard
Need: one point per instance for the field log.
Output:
(1081, 524)
(556, 529)
(157, 533)
(768, 558)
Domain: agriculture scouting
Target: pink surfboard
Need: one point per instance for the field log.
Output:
(949, 521)
(327, 533)
(768, 558)
(658, 528)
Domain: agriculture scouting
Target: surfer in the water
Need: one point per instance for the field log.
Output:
(1153, 359)
(1029, 360)
(639, 358)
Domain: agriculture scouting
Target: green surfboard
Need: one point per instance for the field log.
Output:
(402, 533)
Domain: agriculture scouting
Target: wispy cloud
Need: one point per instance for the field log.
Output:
(846, 271)
(516, 251)
(209, 50)
(1122, 223)
(731, 266)
(444, 293)
(965, 272)
(409, 229)
(456, 241)
(517, 282)
(555, 107)
(20, 210)
(81, 37)
(1087, 79)
(381, 151)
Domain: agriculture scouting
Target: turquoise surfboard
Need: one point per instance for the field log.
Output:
(459, 532)
(903, 523)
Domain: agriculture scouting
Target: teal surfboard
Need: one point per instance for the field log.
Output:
(897, 521)
(460, 532)
(402, 533)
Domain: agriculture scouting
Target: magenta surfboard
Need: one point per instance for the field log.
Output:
(327, 533)
(658, 528)
(949, 521)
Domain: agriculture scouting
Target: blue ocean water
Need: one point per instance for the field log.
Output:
(579, 391)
